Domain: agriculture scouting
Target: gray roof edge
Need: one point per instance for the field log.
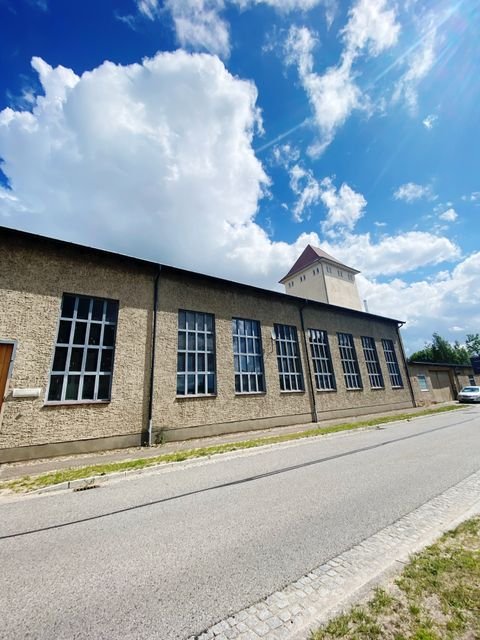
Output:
(195, 274)
(439, 364)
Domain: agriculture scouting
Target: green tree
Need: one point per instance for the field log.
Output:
(440, 350)
(473, 344)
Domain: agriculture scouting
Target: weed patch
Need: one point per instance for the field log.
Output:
(30, 483)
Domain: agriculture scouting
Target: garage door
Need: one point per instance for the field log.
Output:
(441, 386)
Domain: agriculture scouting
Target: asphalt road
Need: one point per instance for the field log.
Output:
(166, 554)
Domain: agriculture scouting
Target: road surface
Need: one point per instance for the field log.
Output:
(166, 554)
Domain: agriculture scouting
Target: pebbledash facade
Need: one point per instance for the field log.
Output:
(100, 350)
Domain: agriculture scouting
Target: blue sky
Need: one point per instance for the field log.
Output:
(223, 135)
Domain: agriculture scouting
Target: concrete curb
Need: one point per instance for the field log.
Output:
(91, 481)
(293, 612)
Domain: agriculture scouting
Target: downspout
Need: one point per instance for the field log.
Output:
(152, 366)
(404, 359)
(310, 379)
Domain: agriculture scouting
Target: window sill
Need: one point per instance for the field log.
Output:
(354, 389)
(192, 396)
(397, 388)
(326, 390)
(72, 403)
(377, 388)
(250, 393)
(292, 390)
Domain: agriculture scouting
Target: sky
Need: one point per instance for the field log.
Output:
(223, 136)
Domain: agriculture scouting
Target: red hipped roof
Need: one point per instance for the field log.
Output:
(310, 256)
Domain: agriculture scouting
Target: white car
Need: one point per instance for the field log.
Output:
(469, 394)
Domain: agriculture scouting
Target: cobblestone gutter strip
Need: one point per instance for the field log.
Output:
(290, 614)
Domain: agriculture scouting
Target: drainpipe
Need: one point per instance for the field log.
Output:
(404, 359)
(310, 379)
(152, 366)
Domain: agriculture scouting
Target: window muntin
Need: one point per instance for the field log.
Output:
(392, 363)
(422, 382)
(348, 356)
(196, 354)
(322, 360)
(288, 358)
(248, 356)
(82, 365)
(375, 375)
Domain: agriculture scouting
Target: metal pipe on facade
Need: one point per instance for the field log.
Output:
(152, 367)
(404, 359)
(310, 379)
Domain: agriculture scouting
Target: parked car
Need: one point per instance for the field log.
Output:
(469, 394)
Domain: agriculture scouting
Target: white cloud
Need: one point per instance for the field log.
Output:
(344, 206)
(148, 8)
(473, 197)
(372, 26)
(285, 154)
(393, 255)
(430, 121)
(306, 188)
(199, 24)
(450, 215)
(117, 158)
(334, 95)
(443, 304)
(419, 63)
(410, 191)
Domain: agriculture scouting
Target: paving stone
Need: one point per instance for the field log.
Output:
(288, 614)
(274, 622)
(219, 627)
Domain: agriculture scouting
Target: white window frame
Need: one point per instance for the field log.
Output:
(423, 377)
(72, 344)
(375, 375)
(196, 354)
(322, 360)
(392, 363)
(288, 359)
(248, 357)
(348, 357)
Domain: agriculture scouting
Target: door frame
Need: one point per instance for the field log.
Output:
(12, 360)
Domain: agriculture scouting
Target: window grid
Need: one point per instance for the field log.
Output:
(82, 365)
(196, 354)
(288, 358)
(392, 363)
(348, 356)
(422, 382)
(373, 365)
(322, 360)
(248, 356)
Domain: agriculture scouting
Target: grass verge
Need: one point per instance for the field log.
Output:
(30, 483)
(436, 597)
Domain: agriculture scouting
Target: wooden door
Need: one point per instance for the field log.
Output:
(6, 351)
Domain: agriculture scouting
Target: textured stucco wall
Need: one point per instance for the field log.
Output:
(198, 295)
(340, 290)
(35, 273)
(425, 398)
(33, 278)
(312, 288)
